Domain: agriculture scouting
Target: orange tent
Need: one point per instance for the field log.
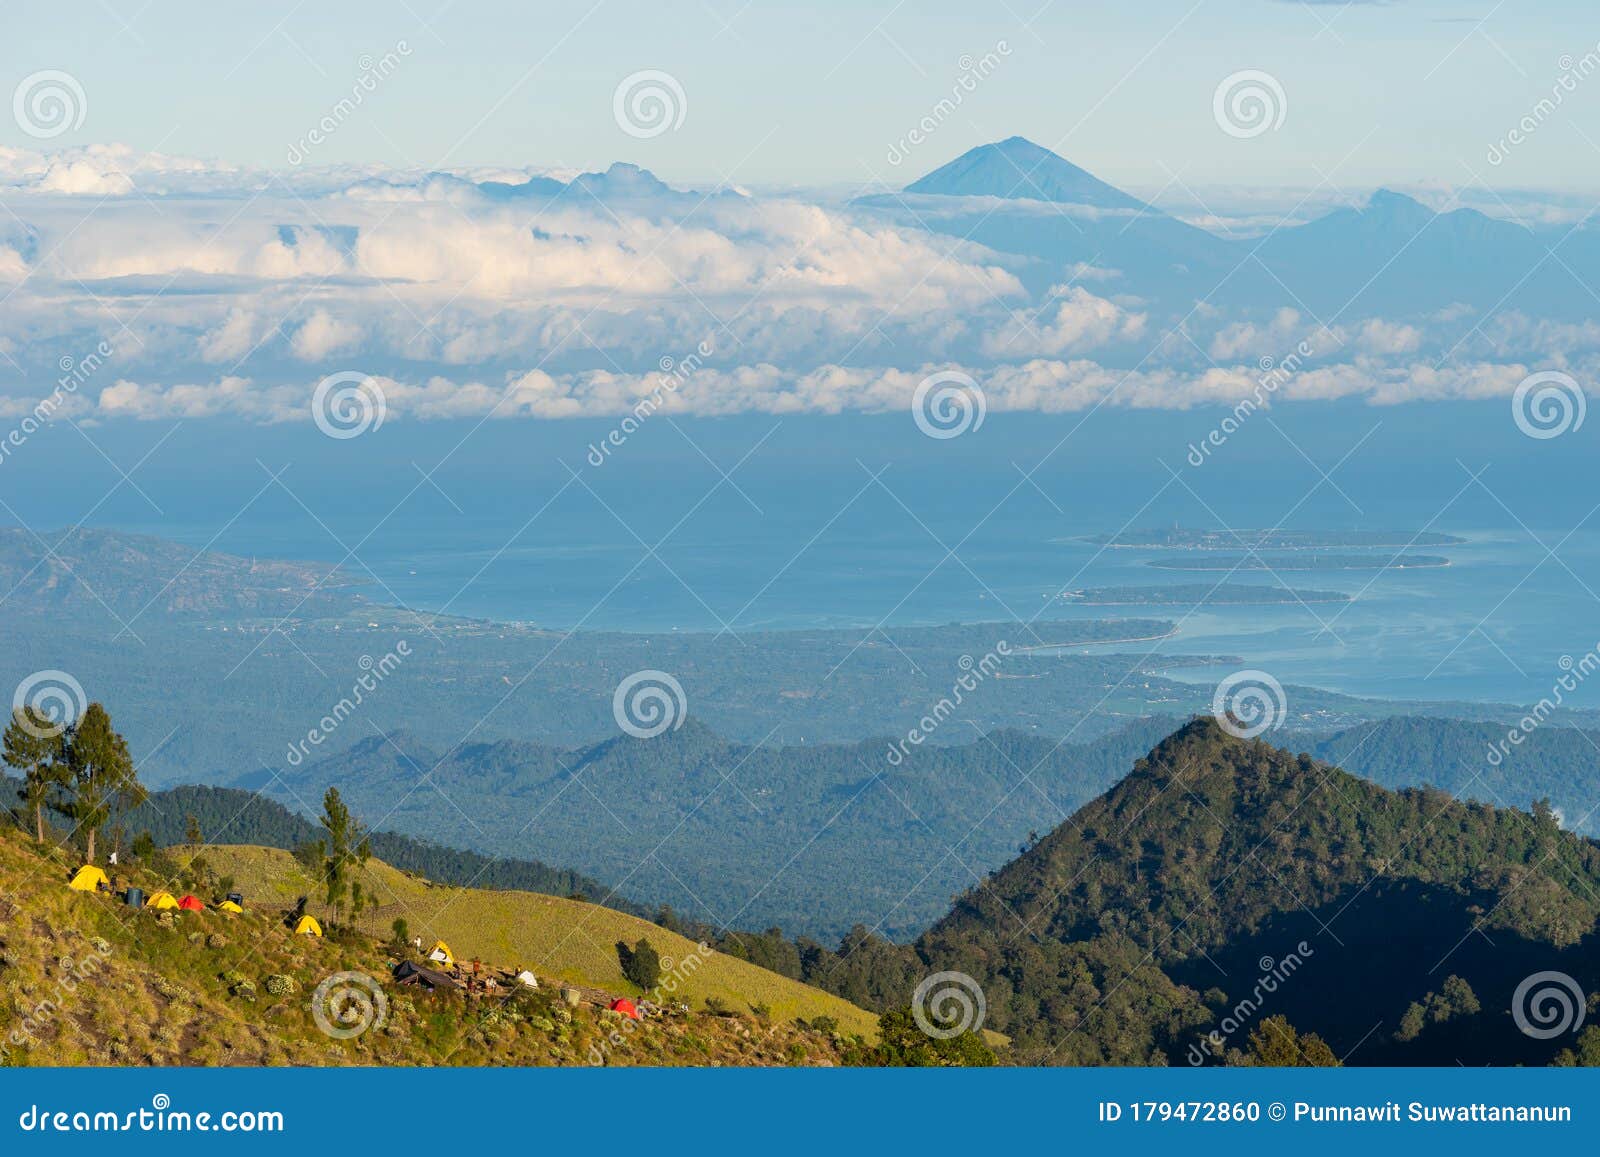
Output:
(626, 1007)
(190, 904)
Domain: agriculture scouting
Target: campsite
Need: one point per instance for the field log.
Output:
(570, 941)
(189, 975)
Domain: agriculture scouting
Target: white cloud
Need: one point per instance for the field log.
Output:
(232, 339)
(229, 396)
(84, 178)
(1043, 384)
(323, 334)
(1382, 337)
(1072, 319)
(1257, 339)
(232, 291)
(12, 266)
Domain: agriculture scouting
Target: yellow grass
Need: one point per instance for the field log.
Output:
(89, 981)
(555, 938)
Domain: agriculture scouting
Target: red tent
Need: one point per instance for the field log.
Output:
(190, 904)
(626, 1007)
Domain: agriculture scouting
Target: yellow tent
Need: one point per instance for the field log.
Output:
(162, 901)
(89, 879)
(308, 926)
(229, 906)
(441, 953)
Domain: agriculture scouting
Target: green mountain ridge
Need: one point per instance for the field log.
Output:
(1126, 934)
(1219, 890)
(880, 848)
(812, 839)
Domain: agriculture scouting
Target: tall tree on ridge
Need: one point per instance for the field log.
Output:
(100, 774)
(34, 746)
(346, 840)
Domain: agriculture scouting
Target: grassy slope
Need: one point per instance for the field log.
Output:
(554, 937)
(167, 993)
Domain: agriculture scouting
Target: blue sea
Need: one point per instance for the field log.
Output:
(760, 523)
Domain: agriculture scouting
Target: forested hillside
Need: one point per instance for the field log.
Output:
(1479, 760)
(813, 839)
(1128, 932)
(231, 816)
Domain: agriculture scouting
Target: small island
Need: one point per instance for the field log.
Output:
(1302, 562)
(1198, 594)
(1180, 538)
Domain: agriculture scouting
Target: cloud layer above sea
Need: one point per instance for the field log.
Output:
(217, 291)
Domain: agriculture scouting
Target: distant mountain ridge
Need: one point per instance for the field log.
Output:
(135, 575)
(810, 838)
(1058, 216)
(603, 810)
(1390, 255)
(620, 182)
(233, 816)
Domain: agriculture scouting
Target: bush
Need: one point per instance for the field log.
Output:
(641, 964)
(280, 985)
(171, 990)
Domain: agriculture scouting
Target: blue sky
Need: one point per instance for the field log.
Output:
(815, 94)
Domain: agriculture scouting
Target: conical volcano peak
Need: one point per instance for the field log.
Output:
(1018, 169)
